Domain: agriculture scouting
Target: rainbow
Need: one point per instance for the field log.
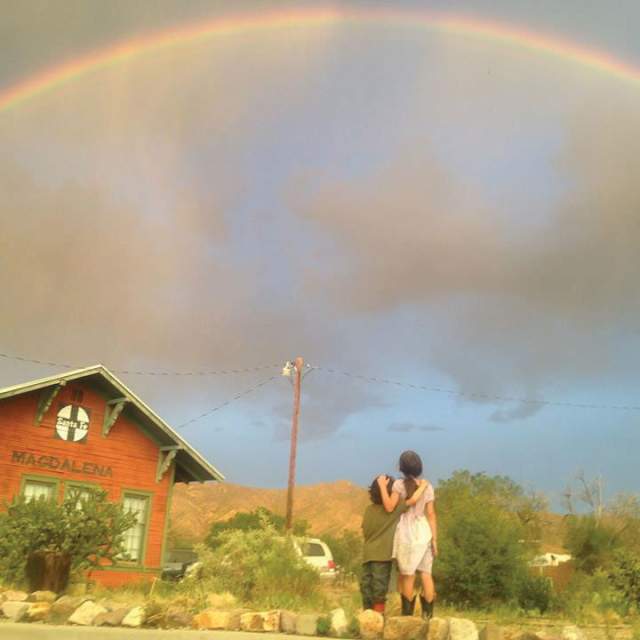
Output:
(57, 76)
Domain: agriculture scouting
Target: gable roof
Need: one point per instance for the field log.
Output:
(191, 466)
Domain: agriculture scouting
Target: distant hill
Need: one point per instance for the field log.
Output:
(329, 508)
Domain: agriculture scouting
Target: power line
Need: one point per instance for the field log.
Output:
(481, 396)
(220, 372)
(228, 402)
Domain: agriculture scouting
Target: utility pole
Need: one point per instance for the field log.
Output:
(297, 383)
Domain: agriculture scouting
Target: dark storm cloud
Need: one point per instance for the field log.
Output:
(514, 304)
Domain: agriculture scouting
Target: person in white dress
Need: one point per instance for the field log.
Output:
(415, 542)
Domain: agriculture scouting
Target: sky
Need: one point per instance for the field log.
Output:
(389, 201)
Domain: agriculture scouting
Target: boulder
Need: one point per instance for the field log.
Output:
(491, 632)
(212, 619)
(307, 624)
(234, 619)
(251, 621)
(37, 611)
(66, 605)
(176, 617)
(462, 629)
(371, 624)
(111, 618)
(135, 618)
(405, 628)
(226, 601)
(271, 621)
(288, 621)
(339, 623)
(15, 596)
(86, 613)
(13, 610)
(42, 596)
(571, 632)
(438, 629)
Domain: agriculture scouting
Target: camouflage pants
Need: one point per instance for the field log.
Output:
(374, 583)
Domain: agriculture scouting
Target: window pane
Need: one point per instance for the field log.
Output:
(313, 549)
(34, 490)
(134, 537)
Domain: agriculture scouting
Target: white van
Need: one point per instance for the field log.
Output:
(317, 554)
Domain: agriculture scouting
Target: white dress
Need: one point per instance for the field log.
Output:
(412, 540)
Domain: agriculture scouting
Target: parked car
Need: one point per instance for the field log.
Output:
(317, 554)
(178, 562)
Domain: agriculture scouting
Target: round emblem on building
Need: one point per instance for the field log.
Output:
(72, 423)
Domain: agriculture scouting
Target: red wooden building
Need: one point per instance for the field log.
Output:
(85, 428)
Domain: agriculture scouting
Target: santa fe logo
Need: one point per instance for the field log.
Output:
(72, 423)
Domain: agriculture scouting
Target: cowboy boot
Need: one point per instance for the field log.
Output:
(408, 605)
(427, 608)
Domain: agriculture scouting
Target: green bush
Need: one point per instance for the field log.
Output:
(259, 566)
(624, 575)
(535, 593)
(323, 627)
(483, 522)
(347, 552)
(591, 597)
(251, 521)
(87, 529)
(591, 542)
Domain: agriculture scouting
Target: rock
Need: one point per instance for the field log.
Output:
(571, 632)
(527, 635)
(234, 619)
(111, 618)
(271, 621)
(226, 601)
(38, 611)
(135, 618)
(491, 632)
(13, 610)
(438, 629)
(42, 596)
(86, 613)
(307, 624)
(462, 629)
(15, 596)
(371, 624)
(288, 621)
(66, 605)
(339, 624)
(251, 622)
(212, 619)
(177, 618)
(405, 628)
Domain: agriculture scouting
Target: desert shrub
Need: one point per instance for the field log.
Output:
(249, 521)
(323, 626)
(87, 529)
(347, 552)
(591, 598)
(624, 575)
(535, 593)
(259, 566)
(591, 541)
(483, 521)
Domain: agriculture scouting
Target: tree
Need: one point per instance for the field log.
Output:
(485, 527)
(85, 530)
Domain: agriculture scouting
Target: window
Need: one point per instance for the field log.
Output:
(83, 491)
(134, 538)
(33, 489)
(312, 549)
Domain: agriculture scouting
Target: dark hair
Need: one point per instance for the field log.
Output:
(411, 467)
(374, 489)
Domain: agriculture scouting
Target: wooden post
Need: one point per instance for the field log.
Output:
(297, 382)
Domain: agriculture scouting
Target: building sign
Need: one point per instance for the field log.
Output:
(60, 464)
(72, 423)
